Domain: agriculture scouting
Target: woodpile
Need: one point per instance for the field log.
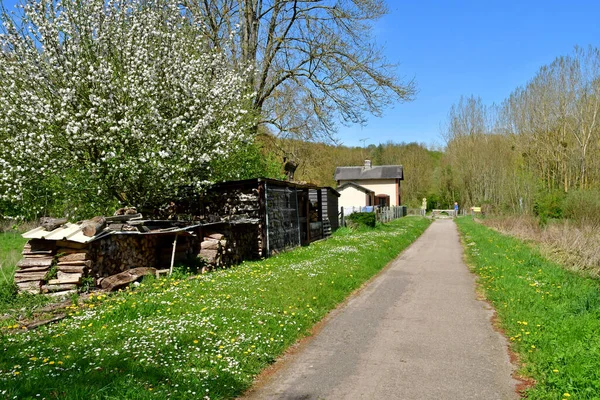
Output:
(38, 258)
(73, 263)
(232, 205)
(124, 278)
(230, 243)
(118, 253)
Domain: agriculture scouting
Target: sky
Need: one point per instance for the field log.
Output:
(465, 47)
(482, 48)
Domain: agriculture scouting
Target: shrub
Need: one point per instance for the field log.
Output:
(583, 207)
(361, 219)
(548, 205)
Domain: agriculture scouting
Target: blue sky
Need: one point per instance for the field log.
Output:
(454, 48)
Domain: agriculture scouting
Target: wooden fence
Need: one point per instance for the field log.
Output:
(382, 214)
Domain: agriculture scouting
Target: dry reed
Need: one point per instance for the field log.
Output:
(576, 246)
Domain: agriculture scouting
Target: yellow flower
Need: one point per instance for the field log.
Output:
(16, 373)
(195, 342)
(51, 363)
(566, 395)
(555, 371)
(219, 356)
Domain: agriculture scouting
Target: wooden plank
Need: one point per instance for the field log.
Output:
(87, 264)
(35, 262)
(71, 268)
(58, 288)
(33, 269)
(71, 245)
(34, 276)
(64, 277)
(74, 257)
(29, 252)
(31, 287)
(45, 322)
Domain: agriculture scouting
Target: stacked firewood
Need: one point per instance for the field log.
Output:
(232, 205)
(118, 253)
(38, 257)
(213, 248)
(74, 262)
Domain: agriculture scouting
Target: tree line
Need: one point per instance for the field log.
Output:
(539, 149)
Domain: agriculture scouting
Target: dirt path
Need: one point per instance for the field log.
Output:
(416, 332)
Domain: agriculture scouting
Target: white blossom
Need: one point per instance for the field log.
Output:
(113, 97)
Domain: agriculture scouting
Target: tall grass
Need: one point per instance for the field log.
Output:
(574, 244)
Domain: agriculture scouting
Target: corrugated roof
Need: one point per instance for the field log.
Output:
(72, 232)
(362, 173)
(69, 231)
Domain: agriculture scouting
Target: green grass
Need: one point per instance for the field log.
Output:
(205, 336)
(11, 245)
(550, 315)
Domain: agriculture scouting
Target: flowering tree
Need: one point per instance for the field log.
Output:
(114, 99)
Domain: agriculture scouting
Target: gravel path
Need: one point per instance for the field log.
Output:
(417, 331)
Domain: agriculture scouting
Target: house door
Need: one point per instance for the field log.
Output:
(383, 200)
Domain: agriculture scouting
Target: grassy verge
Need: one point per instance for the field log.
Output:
(551, 315)
(194, 338)
(11, 245)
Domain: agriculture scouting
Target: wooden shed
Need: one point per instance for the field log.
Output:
(286, 214)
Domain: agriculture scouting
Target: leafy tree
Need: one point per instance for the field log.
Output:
(120, 100)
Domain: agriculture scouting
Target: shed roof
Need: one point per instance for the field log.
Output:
(362, 173)
(73, 232)
(354, 185)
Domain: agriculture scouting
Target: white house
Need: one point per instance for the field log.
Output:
(369, 185)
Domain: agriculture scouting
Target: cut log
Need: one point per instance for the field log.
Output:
(53, 282)
(93, 226)
(51, 224)
(58, 288)
(209, 255)
(209, 244)
(35, 262)
(74, 257)
(217, 236)
(124, 278)
(122, 218)
(79, 269)
(64, 277)
(126, 211)
(30, 276)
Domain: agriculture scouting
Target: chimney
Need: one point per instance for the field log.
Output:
(367, 163)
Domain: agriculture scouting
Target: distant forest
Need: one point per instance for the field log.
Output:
(538, 152)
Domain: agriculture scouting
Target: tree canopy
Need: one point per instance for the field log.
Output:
(116, 99)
